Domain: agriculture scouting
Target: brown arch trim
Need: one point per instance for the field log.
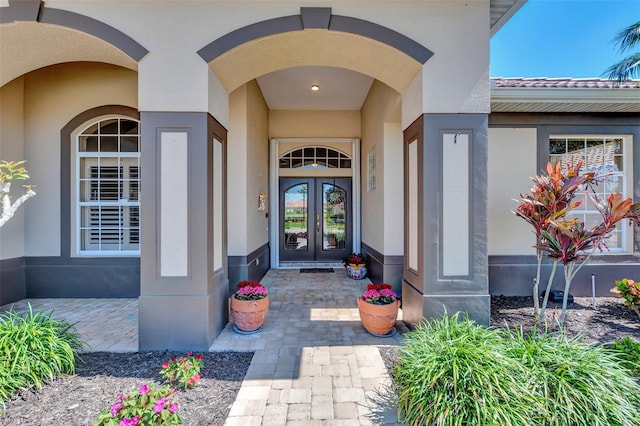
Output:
(65, 164)
(35, 11)
(315, 17)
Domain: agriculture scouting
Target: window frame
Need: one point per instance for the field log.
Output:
(626, 234)
(121, 203)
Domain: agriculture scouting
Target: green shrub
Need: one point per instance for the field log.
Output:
(576, 383)
(629, 353)
(453, 372)
(34, 348)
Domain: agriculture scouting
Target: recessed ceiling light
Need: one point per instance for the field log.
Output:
(315, 87)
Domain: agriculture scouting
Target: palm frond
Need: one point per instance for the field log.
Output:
(627, 69)
(628, 38)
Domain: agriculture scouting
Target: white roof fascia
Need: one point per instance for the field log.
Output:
(508, 15)
(564, 95)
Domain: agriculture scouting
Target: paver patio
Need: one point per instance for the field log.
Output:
(314, 364)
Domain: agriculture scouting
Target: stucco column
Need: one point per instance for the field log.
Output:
(446, 217)
(183, 301)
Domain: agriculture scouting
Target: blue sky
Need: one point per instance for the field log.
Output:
(561, 38)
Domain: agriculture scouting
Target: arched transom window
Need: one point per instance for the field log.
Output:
(108, 187)
(319, 157)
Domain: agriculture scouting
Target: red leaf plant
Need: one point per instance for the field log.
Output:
(563, 238)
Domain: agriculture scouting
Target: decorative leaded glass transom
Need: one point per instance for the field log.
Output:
(317, 157)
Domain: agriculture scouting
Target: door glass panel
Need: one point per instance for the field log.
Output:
(334, 217)
(296, 217)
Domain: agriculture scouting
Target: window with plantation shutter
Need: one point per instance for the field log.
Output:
(108, 200)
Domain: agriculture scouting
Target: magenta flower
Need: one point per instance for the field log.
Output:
(144, 389)
(173, 408)
(379, 294)
(251, 292)
(159, 406)
(129, 422)
(371, 294)
(387, 293)
(115, 408)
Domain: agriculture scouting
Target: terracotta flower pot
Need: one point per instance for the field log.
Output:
(356, 272)
(249, 315)
(378, 319)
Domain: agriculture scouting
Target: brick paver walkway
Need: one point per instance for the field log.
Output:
(314, 364)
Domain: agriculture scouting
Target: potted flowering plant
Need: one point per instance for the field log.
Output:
(378, 307)
(356, 265)
(183, 371)
(249, 306)
(148, 405)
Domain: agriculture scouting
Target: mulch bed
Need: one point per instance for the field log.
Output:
(609, 320)
(102, 376)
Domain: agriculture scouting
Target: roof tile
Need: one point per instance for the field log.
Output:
(578, 83)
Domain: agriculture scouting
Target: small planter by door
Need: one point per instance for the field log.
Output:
(249, 315)
(378, 320)
(356, 272)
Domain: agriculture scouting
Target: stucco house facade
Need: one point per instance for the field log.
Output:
(176, 150)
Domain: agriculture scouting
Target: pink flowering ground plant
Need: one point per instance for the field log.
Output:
(149, 405)
(183, 371)
(250, 290)
(379, 294)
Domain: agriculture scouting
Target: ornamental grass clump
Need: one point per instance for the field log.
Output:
(454, 372)
(576, 383)
(149, 405)
(250, 290)
(183, 371)
(34, 349)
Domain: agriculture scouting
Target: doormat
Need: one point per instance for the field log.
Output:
(315, 270)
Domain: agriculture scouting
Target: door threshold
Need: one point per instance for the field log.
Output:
(303, 265)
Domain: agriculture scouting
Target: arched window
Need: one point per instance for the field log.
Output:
(315, 157)
(108, 187)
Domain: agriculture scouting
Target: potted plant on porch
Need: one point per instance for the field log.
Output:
(356, 264)
(249, 307)
(378, 307)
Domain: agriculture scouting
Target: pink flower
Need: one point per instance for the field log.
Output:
(165, 364)
(159, 405)
(144, 389)
(370, 294)
(115, 408)
(387, 293)
(173, 407)
(379, 294)
(189, 353)
(129, 422)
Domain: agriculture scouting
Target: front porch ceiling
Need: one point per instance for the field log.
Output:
(315, 47)
(28, 46)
